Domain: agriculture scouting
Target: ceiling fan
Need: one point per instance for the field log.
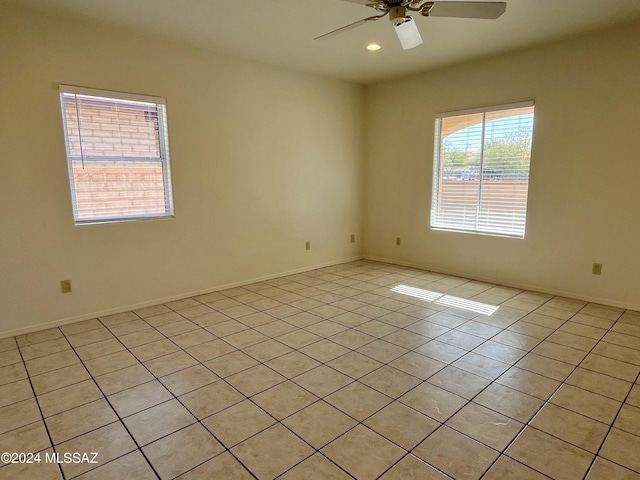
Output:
(405, 26)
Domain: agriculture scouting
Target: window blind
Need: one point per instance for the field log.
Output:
(481, 170)
(117, 154)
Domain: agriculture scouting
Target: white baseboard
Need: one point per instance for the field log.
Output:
(532, 288)
(126, 308)
(157, 301)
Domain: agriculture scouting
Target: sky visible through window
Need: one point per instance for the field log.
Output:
(481, 170)
(502, 151)
(468, 138)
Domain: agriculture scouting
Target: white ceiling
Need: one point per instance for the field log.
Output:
(281, 32)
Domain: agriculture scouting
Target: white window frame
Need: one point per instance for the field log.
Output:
(163, 134)
(436, 220)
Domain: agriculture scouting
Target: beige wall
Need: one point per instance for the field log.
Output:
(584, 196)
(263, 160)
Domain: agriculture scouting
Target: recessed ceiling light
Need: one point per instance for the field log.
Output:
(373, 47)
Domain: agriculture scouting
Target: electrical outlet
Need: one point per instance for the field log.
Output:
(597, 269)
(398, 241)
(307, 246)
(353, 238)
(65, 286)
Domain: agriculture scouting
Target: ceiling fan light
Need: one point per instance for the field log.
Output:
(408, 34)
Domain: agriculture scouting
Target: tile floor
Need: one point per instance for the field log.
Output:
(362, 370)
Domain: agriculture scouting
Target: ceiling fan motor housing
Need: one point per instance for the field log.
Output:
(397, 15)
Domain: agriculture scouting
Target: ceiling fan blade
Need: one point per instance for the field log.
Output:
(485, 10)
(350, 26)
(408, 34)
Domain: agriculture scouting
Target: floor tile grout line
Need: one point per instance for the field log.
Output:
(228, 297)
(174, 352)
(199, 421)
(469, 401)
(548, 401)
(174, 397)
(317, 452)
(491, 382)
(465, 322)
(319, 398)
(129, 349)
(114, 337)
(298, 349)
(220, 338)
(119, 420)
(409, 452)
(42, 417)
(578, 365)
(611, 426)
(246, 398)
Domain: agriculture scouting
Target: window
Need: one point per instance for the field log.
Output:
(118, 155)
(481, 170)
